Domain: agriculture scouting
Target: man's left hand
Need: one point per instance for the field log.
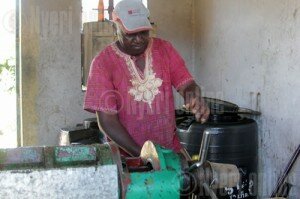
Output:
(194, 102)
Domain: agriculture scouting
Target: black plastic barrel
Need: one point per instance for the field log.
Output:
(236, 143)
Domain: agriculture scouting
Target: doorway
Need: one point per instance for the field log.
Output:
(8, 105)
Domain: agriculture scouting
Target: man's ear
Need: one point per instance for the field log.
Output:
(114, 28)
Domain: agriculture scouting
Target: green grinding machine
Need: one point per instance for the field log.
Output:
(161, 173)
(99, 171)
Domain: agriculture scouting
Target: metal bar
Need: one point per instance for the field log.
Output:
(203, 149)
(110, 9)
(204, 146)
(209, 191)
(286, 172)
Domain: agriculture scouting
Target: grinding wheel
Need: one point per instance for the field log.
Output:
(149, 154)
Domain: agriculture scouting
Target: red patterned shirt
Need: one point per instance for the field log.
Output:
(145, 107)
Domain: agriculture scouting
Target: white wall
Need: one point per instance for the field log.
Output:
(248, 47)
(173, 19)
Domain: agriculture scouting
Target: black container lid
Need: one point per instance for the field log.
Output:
(218, 106)
(220, 111)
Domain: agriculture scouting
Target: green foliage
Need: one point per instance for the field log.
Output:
(8, 75)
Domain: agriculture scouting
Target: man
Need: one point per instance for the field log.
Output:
(130, 84)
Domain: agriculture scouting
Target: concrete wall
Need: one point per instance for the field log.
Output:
(248, 52)
(73, 183)
(51, 69)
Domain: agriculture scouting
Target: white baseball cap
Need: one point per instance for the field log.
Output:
(132, 15)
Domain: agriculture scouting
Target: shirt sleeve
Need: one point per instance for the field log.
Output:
(178, 70)
(100, 94)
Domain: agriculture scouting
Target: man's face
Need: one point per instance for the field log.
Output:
(135, 43)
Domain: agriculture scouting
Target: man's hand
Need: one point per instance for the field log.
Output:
(194, 102)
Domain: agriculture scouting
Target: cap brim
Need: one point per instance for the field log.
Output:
(135, 25)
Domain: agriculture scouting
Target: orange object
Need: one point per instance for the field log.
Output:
(100, 10)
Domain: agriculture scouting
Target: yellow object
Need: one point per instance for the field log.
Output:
(195, 157)
(278, 198)
(100, 10)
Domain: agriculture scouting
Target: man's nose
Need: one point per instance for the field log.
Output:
(138, 38)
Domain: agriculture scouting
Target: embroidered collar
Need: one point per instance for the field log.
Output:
(144, 89)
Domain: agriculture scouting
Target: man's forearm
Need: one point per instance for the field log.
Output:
(190, 90)
(112, 127)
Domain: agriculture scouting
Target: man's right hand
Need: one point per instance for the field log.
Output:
(109, 124)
